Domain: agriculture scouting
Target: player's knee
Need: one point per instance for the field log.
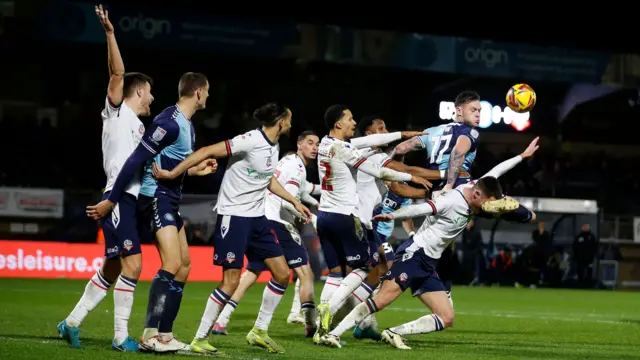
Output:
(281, 277)
(447, 318)
(231, 279)
(172, 265)
(111, 268)
(186, 266)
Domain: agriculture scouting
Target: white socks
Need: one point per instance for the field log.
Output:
(122, 302)
(424, 325)
(330, 286)
(347, 286)
(215, 303)
(355, 317)
(270, 299)
(94, 293)
(225, 315)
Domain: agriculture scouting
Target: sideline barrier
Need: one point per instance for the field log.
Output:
(57, 260)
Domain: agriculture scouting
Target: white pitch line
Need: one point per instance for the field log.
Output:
(533, 316)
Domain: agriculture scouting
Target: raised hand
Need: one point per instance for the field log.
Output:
(531, 149)
(103, 16)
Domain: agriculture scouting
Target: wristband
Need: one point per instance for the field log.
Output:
(411, 233)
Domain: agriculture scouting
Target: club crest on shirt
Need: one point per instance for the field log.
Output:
(158, 134)
(269, 161)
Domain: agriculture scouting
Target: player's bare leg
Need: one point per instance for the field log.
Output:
(173, 301)
(441, 319)
(389, 292)
(271, 297)
(171, 256)
(123, 292)
(215, 303)
(248, 278)
(308, 306)
(94, 292)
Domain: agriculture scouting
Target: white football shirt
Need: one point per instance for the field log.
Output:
(338, 163)
(252, 162)
(121, 134)
(370, 190)
(292, 175)
(450, 216)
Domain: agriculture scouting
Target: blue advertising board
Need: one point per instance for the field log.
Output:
(162, 27)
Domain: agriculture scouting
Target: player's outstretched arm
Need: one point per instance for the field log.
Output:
(276, 188)
(407, 146)
(133, 164)
(416, 170)
(206, 167)
(114, 59)
(217, 151)
(428, 208)
(383, 139)
(407, 191)
(353, 159)
(509, 164)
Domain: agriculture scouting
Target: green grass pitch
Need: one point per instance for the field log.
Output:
(491, 323)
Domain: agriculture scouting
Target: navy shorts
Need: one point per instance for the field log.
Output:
(292, 246)
(155, 213)
(120, 228)
(374, 246)
(237, 236)
(412, 268)
(388, 251)
(343, 240)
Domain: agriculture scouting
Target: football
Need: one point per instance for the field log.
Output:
(521, 98)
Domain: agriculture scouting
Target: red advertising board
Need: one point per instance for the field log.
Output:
(35, 259)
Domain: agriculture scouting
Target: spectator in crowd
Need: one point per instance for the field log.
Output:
(584, 251)
(503, 271)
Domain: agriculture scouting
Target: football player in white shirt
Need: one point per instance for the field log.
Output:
(292, 174)
(242, 227)
(343, 239)
(128, 96)
(415, 263)
(370, 194)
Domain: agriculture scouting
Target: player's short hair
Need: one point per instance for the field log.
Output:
(190, 82)
(366, 122)
(303, 135)
(490, 186)
(134, 80)
(465, 97)
(269, 114)
(333, 114)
